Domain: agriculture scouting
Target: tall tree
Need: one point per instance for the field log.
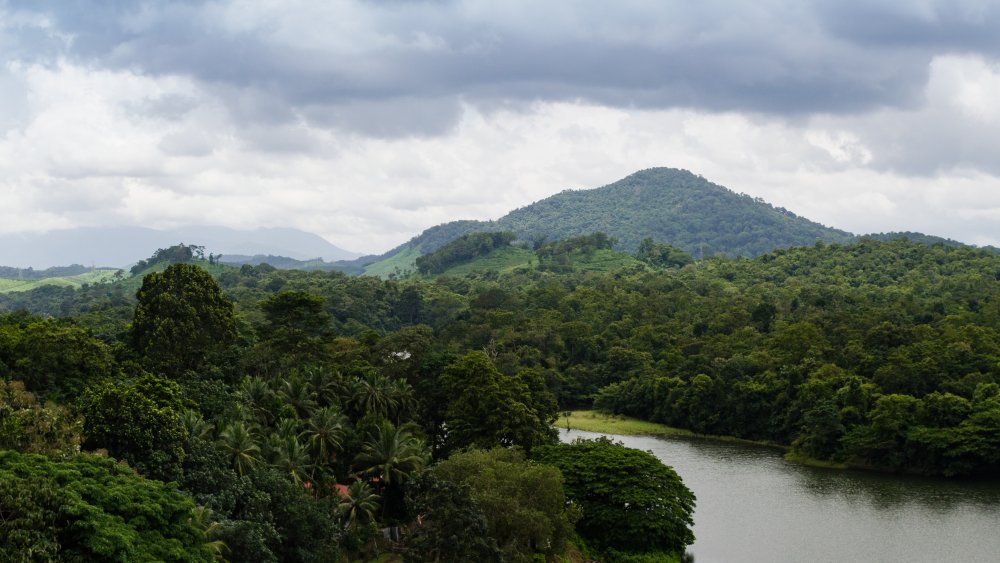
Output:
(181, 319)
(138, 420)
(631, 501)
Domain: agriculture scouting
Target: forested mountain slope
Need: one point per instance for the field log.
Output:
(668, 205)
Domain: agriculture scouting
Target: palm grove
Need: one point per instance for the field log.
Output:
(296, 417)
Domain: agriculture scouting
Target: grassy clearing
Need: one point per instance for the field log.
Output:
(97, 276)
(502, 260)
(593, 421)
(605, 260)
(801, 459)
(403, 261)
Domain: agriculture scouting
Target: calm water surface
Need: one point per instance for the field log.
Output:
(753, 506)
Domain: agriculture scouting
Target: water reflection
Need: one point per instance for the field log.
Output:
(753, 506)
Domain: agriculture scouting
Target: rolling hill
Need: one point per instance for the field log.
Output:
(668, 205)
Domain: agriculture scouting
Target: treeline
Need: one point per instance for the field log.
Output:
(33, 274)
(558, 256)
(881, 353)
(171, 255)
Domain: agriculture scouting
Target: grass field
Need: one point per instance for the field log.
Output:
(97, 276)
(502, 260)
(404, 261)
(593, 421)
(605, 260)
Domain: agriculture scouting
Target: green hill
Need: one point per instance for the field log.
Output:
(668, 205)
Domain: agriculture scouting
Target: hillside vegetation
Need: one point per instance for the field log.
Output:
(8, 285)
(668, 205)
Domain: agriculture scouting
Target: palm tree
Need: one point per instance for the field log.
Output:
(359, 505)
(326, 385)
(403, 399)
(240, 446)
(391, 454)
(292, 457)
(372, 394)
(201, 518)
(325, 432)
(195, 424)
(258, 394)
(298, 393)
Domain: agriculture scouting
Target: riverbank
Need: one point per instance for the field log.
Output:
(593, 421)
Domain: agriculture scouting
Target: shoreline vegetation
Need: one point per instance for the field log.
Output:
(596, 421)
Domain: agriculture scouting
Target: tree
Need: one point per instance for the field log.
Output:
(391, 454)
(138, 420)
(30, 427)
(239, 445)
(488, 408)
(630, 500)
(523, 502)
(53, 358)
(181, 319)
(296, 324)
(325, 432)
(451, 526)
(91, 508)
(358, 506)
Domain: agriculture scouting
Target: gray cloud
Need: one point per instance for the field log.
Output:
(369, 121)
(778, 57)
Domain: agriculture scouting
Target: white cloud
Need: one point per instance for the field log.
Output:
(97, 146)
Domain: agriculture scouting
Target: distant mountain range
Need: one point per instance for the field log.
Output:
(121, 246)
(665, 204)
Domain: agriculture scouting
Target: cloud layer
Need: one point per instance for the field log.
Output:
(367, 122)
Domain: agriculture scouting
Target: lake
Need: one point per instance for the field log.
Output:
(753, 506)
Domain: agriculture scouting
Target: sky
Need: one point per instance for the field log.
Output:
(367, 122)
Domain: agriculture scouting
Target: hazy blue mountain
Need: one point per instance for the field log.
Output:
(121, 246)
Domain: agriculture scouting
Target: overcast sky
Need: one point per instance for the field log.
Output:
(367, 122)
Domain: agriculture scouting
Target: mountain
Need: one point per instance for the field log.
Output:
(121, 246)
(668, 205)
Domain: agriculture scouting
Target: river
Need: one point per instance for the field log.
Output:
(753, 506)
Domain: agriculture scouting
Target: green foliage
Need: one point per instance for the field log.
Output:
(559, 256)
(52, 358)
(177, 254)
(181, 319)
(138, 420)
(296, 325)
(523, 502)
(451, 526)
(462, 249)
(14, 283)
(664, 255)
(30, 427)
(668, 205)
(487, 408)
(630, 500)
(92, 509)
(391, 455)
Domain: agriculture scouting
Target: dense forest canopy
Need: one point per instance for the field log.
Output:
(315, 408)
